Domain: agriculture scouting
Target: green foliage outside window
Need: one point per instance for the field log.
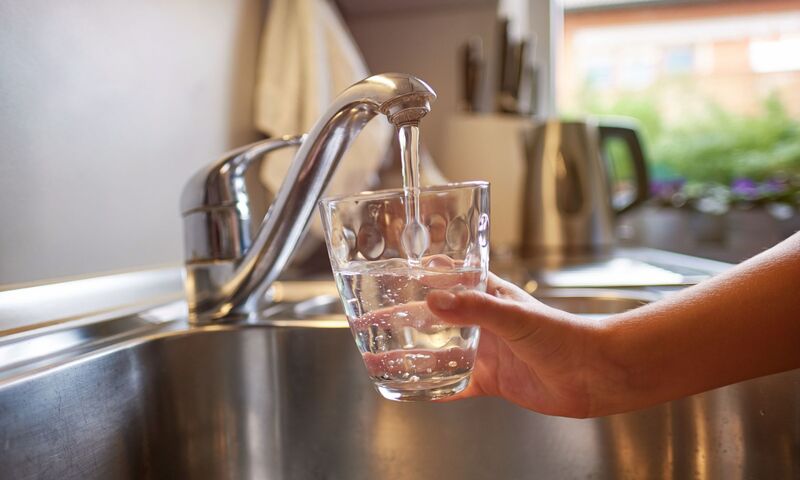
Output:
(714, 159)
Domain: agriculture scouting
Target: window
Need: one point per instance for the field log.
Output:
(782, 55)
(715, 86)
(679, 59)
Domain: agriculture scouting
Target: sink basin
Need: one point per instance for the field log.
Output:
(601, 302)
(290, 399)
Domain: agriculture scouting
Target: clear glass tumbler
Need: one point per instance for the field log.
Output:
(410, 354)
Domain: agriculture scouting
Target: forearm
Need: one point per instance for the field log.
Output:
(742, 324)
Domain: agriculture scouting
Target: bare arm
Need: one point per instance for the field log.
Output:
(742, 324)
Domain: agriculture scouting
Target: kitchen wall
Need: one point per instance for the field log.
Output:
(423, 37)
(106, 108)
(414, 40)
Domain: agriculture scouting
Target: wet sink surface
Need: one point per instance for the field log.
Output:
(266, 402)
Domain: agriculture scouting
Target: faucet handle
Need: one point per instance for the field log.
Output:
(219, 215)
(219, 184)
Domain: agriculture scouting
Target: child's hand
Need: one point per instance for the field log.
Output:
(533, 355)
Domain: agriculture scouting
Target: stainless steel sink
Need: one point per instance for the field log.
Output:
(289, 399)
(594, 302)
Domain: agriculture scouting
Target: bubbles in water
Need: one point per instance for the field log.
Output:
(398, 337)
(414, 378)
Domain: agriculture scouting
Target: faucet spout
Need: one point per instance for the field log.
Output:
(237, 287)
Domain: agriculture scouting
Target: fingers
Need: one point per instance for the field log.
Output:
(506, 318)
(503, 289)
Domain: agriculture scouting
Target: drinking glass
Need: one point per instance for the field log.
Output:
(409, 352)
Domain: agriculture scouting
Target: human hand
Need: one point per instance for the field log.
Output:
(538, 357)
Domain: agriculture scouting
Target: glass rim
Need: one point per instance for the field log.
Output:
(392, 192)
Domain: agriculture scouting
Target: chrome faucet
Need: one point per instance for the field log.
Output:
(231, 256)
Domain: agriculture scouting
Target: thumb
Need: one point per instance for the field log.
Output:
(507, 319)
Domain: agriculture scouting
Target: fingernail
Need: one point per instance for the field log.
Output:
(444, 300)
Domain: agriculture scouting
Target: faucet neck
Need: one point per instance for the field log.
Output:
(241, 286)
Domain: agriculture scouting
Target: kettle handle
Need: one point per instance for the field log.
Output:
(631, 139)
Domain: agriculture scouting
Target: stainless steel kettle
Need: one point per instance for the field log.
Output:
(568, 208)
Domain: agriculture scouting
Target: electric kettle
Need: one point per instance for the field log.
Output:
(567, 206)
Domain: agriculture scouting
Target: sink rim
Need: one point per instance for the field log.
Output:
(22, 309)
(154, 304)
(84, 338)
